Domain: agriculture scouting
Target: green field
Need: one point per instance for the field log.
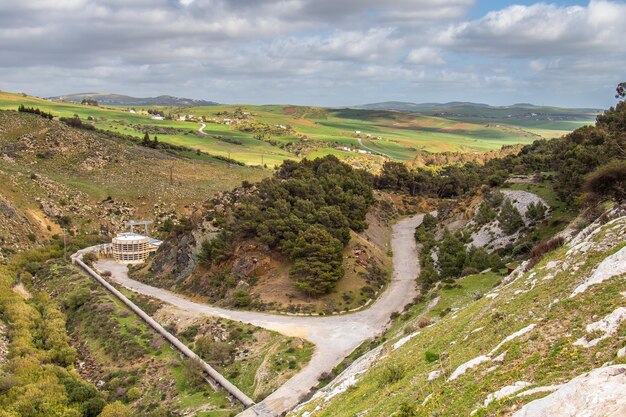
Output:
(314, 131)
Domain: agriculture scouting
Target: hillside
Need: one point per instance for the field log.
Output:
(533, 335)
(268, 135)
(87, 182)
(312, 239)
(122, 100)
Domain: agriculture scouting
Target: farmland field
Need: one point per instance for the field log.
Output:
(267, 135)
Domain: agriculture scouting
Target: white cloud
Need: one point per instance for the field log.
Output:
(425, 56)
(542, 30)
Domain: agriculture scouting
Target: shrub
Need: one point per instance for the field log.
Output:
(542, 248)
(536, 211)
(423, 321)
(391, 374)
(133, 394)
(485, 214)
(431, 356)
(407, 410)
(241, 298)
(607, 182)
(116, 409)
(89, 258)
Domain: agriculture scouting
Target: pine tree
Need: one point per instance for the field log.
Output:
(146, 140)
(510, 218)
(318, 261)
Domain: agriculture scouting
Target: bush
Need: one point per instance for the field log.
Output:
(391, 374)
(485, 214)
(89, 258)
(407, 410)
(117, 409)
(423, 321)
(241, 298)
(607, 182)
(76, 299)
(542, 248)
(536, 211)
(133, 394)
(431, 356)
(214, 351)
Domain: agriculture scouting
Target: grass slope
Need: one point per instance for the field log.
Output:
(94, 180)
(397, 383)
(317, 131)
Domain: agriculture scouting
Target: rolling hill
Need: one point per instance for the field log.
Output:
(123, 100)
(268, 135)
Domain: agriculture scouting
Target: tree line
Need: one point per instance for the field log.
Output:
(23, 109)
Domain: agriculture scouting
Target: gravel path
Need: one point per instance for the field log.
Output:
(201, 129)
(335, 337)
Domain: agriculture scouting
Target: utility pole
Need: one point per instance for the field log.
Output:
(171, 175)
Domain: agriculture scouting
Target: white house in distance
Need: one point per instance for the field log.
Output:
(157, 117)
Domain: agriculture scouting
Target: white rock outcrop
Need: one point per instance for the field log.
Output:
(609, 325)
(601, 392)
(506, 392)
(461, 369)
(610, 267)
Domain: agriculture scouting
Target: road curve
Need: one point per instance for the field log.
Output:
(335, 337)
(201, 129)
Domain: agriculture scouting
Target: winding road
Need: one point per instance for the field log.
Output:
(335, 337)
(201, 129)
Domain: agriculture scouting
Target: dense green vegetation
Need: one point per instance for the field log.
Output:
(570, 159)
(305, 212)
(454, 259)
(39, 379)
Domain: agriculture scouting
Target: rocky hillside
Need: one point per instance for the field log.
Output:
(546, 340)
(56, 176)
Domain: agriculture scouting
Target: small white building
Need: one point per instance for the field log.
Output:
(157, 117)
(133, 248)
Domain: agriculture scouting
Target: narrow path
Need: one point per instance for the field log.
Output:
(335, 337)
(372, 150)
(201, 129)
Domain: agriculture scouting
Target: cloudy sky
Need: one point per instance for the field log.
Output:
(322, 52)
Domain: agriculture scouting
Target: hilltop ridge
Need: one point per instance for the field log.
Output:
(111, 99)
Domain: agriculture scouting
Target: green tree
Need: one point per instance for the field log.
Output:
(318, 261)
(452, 256)
(485, 214)
(510, 218)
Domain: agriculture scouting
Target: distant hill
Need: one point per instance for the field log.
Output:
(408, 106)
(122, 100)
(428, 107)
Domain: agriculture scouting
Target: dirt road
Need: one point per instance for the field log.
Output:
(335, 337)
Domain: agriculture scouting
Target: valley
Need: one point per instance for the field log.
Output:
(312, 285)
(267, 135)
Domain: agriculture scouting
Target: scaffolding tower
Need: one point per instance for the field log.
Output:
(132, 223)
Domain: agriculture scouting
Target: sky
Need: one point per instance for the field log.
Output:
(318, 52)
